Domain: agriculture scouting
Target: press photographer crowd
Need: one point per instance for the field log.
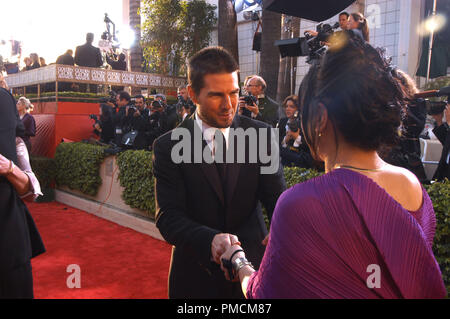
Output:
(357, 118)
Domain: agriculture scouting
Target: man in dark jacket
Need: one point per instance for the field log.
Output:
(266, 109)
(88, 55)
(201, 207)
(442, 132)
(66, 58)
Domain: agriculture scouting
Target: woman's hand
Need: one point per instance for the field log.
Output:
(5, 165)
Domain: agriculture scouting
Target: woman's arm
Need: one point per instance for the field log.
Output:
(244, 272)
(15, 176)
(23, 161)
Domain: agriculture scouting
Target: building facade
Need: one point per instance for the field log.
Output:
(393, 24)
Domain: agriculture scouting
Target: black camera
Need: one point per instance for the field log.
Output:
(250, 99)
(311, 46)
(433, 107)
(109, 99)
(294, 125)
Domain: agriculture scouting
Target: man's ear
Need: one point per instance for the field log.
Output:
(192, 94)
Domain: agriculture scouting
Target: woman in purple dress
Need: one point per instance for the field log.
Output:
(365, 228)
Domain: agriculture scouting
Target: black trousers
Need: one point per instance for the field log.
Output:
(17, 283)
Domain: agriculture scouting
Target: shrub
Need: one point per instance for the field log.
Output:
(45, 170)
(78, 166)
(136, 176)
(440, 196)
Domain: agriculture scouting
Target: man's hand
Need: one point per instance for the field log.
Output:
(220, 244)
(137, 113)
(438, 118)
(252, 108)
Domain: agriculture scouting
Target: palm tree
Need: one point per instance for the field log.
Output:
(270, 55)
(136, 50)
(227, 28)
(286, 80)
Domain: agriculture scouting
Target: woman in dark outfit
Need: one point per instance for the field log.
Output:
(19, 238)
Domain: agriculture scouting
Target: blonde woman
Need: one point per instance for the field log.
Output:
(23, 106)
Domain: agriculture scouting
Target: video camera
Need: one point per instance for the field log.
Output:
(433, 107)
(109, 99)
(311, 46)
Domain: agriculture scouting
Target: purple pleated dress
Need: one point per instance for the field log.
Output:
(328, 233)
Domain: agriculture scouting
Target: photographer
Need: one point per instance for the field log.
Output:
(138, 122)
(104, 127)
(263, 108)
(293, 149)
(121, 119)
(184, 103)
(406, 153)
(442, 132)
(169, 115)
(155, 124)
(119, 64)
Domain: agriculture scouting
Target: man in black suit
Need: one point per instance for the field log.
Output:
(266, 109)
(203, 207)
(88, 55)
(442, 132)
(65, 59)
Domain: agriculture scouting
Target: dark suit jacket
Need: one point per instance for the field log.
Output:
(88, 55)
(443, 134)
(65, 59)
(192, 207)
(19, 238)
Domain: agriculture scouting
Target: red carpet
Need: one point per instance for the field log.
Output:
(115, 262)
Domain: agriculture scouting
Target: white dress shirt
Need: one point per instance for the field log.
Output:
(209, 131)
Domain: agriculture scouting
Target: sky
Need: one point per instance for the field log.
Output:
(50, 27)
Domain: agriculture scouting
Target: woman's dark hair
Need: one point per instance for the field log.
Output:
(293, 98)
(362, 24)
(363, 100)
(211, 60)
(106, 113)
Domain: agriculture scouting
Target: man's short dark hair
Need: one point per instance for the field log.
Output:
(344, 13)
(124, 96)
(211, 60)
(89, 37)
(139, 96)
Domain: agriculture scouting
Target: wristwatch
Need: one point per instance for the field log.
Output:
(238, 263)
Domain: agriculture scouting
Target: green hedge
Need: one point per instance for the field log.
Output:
(45, 170)
(440, 196)
(78, 166)
(135, 175)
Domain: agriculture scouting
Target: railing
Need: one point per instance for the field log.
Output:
(67, 73)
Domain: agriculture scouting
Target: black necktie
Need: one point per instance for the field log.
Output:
(220, 156)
